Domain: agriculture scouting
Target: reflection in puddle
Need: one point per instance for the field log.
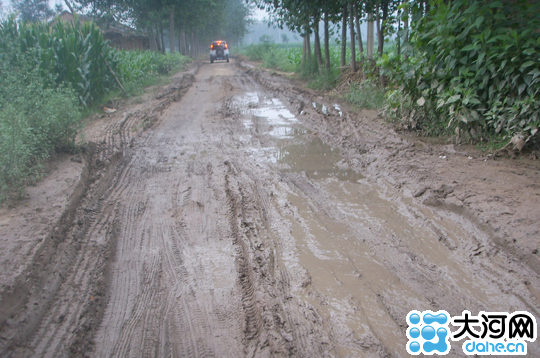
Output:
(277, 116)
(287, 132)
(317, 160)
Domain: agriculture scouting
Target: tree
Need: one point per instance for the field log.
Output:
(193, 21)
(284, 38)
(33, 10)
(343, 36)
(58, 8)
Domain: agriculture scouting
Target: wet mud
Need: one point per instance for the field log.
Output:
(235, 214)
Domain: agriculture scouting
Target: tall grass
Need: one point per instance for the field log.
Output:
(137, 66)
(367, 95)
(34, 120)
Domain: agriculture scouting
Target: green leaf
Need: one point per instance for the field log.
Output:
(479, 21)
(535, 73)
(453, 99)
(495, 4)
(528, 64)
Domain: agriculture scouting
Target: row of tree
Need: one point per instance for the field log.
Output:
(189, 25)
(305, 16)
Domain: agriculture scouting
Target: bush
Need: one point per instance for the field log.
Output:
(473, 64)
(34, 121)
(70, 53)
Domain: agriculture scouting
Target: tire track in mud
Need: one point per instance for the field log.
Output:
(55, 307)
(172, 230)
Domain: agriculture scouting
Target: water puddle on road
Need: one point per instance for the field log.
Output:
(368, 256)
(279, 121)
(317, 159)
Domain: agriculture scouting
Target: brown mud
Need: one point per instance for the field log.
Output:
(234, 213)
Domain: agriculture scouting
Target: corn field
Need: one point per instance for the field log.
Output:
(48, 76)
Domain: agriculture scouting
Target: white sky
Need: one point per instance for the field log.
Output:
(6, 5)
(260, 14)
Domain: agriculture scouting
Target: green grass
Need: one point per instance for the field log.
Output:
(492, 142)
(366, 95)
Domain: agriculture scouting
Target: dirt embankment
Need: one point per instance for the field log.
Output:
(499, 194)
(234, 213)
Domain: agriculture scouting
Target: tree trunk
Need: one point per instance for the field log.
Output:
(370, 35)
(326, 42)
(304, 52)
(184, 47)
(383, 26)
(343, 39)
(308, 42)
(358, 32)
(180, 44)
(69, 6)
(171, 31)
(153, 44)
(378, 25)
(158, 42)
(318, 52)
(353, 49)
(162, 38)
(398, 37)
(406, 30)
(189, 45)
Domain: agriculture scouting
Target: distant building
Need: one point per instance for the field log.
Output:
(119, 35)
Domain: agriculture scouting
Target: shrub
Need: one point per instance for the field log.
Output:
(34, 121)
(474, 64)
(47, 74)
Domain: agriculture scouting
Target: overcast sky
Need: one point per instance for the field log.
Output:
(6, 4)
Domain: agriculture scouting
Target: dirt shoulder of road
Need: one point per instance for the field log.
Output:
(499, 194)
(35, 229)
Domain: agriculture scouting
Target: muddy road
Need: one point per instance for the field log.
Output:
(228, 221)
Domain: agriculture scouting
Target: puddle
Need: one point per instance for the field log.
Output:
(348, 277)
(279, 119)
(284, 132)
(317, 159)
